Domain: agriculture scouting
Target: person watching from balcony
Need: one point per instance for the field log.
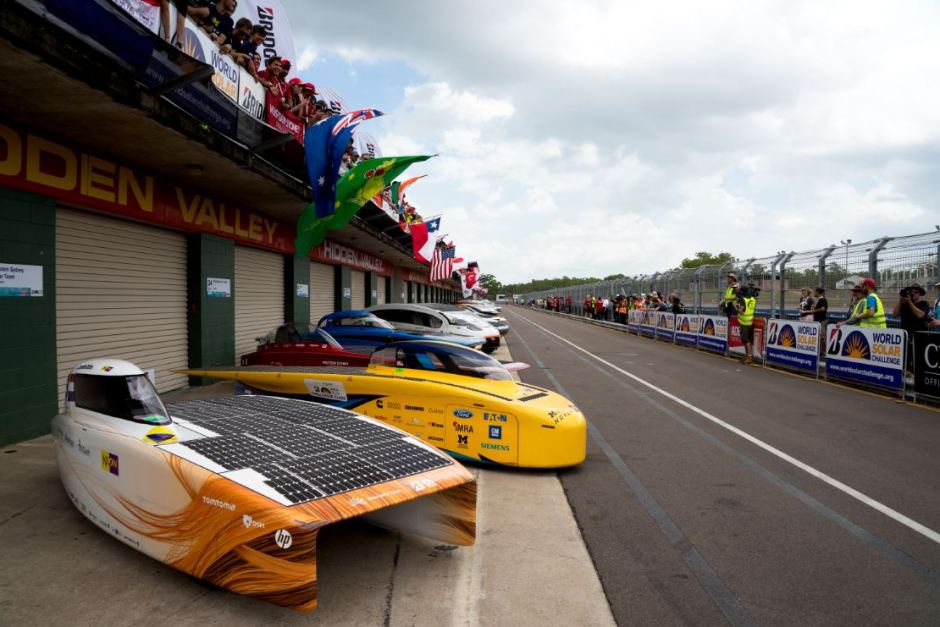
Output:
(245, 50)
(182, 10)
(306, 108)
(216, 19)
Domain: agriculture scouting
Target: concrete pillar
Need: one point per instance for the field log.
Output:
(211, 321)
(296, 288)
(343, 289)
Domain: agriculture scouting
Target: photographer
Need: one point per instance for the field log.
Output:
(914, 313)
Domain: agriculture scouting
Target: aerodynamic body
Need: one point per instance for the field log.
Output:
(362, 331)
(302, 344)
(457, 399)
(424, 318)
(235, 490)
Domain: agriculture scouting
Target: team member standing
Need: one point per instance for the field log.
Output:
(914, 313)
(745, 305)
(727, 305)
(871, 313)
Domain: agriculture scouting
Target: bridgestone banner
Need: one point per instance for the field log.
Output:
(713, 333)
(687, 330)
(866, 355)
(793, 344)
(271, 15)
(927, 363)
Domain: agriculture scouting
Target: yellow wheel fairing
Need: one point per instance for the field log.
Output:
(542, 429)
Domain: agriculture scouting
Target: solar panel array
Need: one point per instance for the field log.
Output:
(304, 450)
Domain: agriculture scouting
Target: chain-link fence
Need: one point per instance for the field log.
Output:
(894, 262)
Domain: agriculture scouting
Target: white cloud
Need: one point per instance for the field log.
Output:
(604, 136)
(308, 57)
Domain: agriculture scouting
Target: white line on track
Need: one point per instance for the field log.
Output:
(925, 531)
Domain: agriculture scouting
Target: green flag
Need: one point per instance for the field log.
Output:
(353, 190)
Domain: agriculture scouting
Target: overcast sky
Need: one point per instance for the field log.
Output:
(589, 138)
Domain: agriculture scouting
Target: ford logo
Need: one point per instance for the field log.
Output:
(463, 413)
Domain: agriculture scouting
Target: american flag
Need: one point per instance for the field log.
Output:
(442, 263)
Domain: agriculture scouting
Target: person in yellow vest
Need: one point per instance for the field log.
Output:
(727, 304)
(745, 305)
(869, 311)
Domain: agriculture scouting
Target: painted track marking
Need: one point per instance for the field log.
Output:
(835, 483)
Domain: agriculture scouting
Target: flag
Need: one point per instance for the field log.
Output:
(442, 262)
(353, 190)
(468, 279)
(424, 237)
(404, 186)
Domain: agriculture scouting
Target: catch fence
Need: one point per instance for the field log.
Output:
(894, 262)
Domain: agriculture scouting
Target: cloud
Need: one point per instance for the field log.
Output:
(604, 137)
(308, 57)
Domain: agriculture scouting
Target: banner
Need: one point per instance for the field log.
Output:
(927, 363)
(793, 344)
(713, 333)
(147, 12)
(271, 15)
(648, 323)
(284, 121)
(866, 355)
(666, 326)
(252, 95)
(634, 319)
(687, 330)
(736, 346)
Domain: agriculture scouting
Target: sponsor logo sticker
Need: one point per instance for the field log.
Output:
(251, 523)
(331, 390)
(160, 435)
(283, 539)
(463, 413)
(208, 500)
(109, 463)
(496, 432)
(463, 441)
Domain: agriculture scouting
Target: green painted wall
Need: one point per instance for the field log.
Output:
(296, 270)
(28, 387)
(343, 283)
(211, 320)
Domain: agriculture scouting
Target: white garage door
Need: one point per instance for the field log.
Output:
(259, 296)
(358, 283)
(380, 286)
(321, 290)
(120, 292)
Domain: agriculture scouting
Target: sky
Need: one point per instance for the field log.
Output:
(592, 138)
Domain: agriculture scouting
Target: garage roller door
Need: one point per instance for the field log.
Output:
(358, 283)
(322, 291)
(120, 292)
(259, 296)
(380, 287)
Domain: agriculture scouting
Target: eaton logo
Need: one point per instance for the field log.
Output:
(496, 432)
(463, 413)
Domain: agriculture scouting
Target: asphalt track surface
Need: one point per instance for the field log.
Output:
(715, 492)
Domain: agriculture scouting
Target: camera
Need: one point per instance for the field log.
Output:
(905, 293)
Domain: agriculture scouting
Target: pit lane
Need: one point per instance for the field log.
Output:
(687, 521)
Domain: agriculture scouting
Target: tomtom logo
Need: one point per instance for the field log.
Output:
(283, 538)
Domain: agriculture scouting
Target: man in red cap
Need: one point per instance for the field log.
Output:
(872, 313)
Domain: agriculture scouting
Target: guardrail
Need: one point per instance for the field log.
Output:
(894, 262)
(860, 356)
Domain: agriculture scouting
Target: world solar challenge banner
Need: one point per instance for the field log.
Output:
(687, 330)
(665, 326)
(634, 318)
(866, 355)
(648, 323)
(713, 333)
(793, 344)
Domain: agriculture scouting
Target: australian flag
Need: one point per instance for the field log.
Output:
(324, 145)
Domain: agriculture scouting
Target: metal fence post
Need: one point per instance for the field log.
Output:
(744, 269)
(773, 283)
(783, 282)
(873, 256)
(822, 265)
(698, 288)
